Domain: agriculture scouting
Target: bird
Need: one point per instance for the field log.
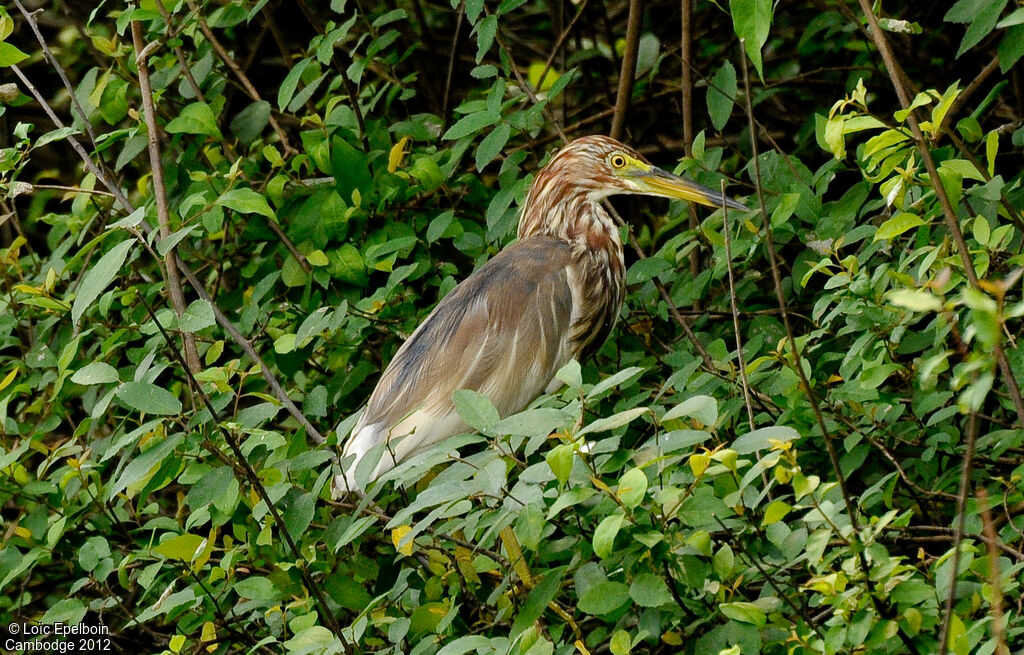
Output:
(553, 295)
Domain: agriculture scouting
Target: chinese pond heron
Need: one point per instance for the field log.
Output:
(552, 296)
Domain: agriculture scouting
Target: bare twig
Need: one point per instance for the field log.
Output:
(628, 69)
(686, 79)
(179, 53)
(735, 312)
(160, 193)
(459, 19)
(965, 94)
(525, 86)
(353, 94)
(996, 604)
(958, 533)
(555, 49)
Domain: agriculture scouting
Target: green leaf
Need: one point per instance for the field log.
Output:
(571, 374)
(347, 265)
(317, 258)
(10, 55)
(701, 407)
(196, 118)
(246, 201)
(99, 277)
(249, 123)
(721, 95)
(537, 601)
(297, 512)
(752, 19)
(148, 398)
(532, 422)
(764, 439)
(604, 535)
(560, 459)
(164, 245)
(615, 380)
(55, 135)
(620, 643)
(613, 421)
(198, 315)
(980, 229)
(604, 597)
(492, 144)
(897, 225)
(530, 526)
(632, 487)
(183, 547)
(486, 30)
(210, 487)
(314, 639)
(439, 226)
(471, 124)
(463, 645)
(475, 409)
(982, 16)
(286, 90)
(95, 373)
(144, 464)
(649, 590)
(256, 587)
(916, 300)
(775, 512)
(744, 612)
(1011, 47)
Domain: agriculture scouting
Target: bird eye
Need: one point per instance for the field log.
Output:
(617, 161)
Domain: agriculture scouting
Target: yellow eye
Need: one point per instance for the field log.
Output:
(617, 161)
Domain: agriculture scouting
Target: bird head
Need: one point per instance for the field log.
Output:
(589, 170)
(615, 168)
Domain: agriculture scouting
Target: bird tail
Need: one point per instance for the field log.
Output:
(360, 444)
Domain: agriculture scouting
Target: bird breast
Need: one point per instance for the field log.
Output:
(597, 278)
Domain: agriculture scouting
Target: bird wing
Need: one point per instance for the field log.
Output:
(504, 332)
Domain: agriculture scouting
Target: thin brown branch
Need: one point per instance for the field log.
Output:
(735, 312)
(460, 18)
(947, 207)
(555, 49)
(239, 74)
(50, 59)
(965, 94)
(353, 94)
(242, 461)
(783, 307)
(174, 290)
(179, 54)
(958, 533)
(996, 604)
(223, 320)
(686, 83)
(628, 69)
(709, 364)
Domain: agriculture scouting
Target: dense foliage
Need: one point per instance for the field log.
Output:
(832, 464)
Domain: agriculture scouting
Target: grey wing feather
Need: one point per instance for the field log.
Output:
(503, 331)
